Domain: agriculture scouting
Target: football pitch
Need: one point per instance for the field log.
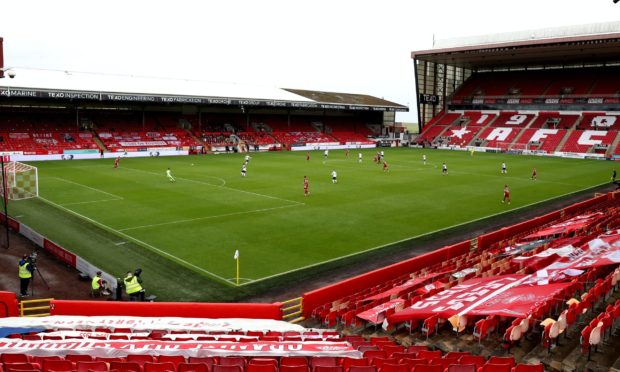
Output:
(184, 234)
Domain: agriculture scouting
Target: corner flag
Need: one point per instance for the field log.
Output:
(236, 257)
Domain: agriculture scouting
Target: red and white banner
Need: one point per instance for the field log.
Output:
(147, 323)
(601, 251)
(143, 143)
(502, 295)
(374, 315)
(407, 286)
(116, 348)
(566, 227)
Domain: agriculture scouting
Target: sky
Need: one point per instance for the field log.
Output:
(351, 46)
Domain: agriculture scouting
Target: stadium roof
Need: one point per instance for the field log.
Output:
(586, 44)
(33, 83)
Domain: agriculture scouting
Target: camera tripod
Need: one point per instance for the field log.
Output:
(37, 271)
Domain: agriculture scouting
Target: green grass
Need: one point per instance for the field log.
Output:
(184, 234)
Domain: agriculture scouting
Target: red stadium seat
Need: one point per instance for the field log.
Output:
(174, 359)
(193, 367)
(529, 368)
(394, 367)
(490, 367)
(502, 360)
(78, 358)
(354, 368)
(350, 362)
(140, 359)
(7, 358)
(57, 365)
(126, 366)
(325, 361)
(159, 367)
(233, 361)
(427, 368)
(328, 369)
(293, 361)
(291, 368)
(206, 360)
(221, 368)
(91, 366)
(428, 355)
(261, 368)
(462, 368)
(263, 361)
(478, 360)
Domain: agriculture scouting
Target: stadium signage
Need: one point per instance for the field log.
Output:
(6, 92)
(429, 99)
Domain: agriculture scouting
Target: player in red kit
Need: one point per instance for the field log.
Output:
(116, 161)
(307, 155)
(506, 194)
(534, 173)
(306, 192)
(385, 167)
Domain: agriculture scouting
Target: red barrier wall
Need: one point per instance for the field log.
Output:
(349, 286)
(8, 304)
(586, 204)
(486, 240)
(176, 309)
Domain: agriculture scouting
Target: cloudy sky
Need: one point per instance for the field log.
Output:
(352, 46)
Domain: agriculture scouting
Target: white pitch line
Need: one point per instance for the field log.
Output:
(120, 243)
(207, 217)
(128, 237)
(92, 201)
(219, 186)
(90, 188)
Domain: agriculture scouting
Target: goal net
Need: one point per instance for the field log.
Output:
(21, 181)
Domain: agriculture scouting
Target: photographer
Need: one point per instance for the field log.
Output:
(26, 268)
(99, 286)
(133, 285)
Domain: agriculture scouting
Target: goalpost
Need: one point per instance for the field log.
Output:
(21, 181)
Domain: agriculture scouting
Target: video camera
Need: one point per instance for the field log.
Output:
(32, 258)
(137, 272)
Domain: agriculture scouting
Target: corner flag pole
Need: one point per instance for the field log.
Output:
(237, 259)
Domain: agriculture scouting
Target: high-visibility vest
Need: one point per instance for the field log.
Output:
(132, 285)
(24, 273)
(95, 283)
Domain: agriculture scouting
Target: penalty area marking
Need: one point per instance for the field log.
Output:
(116, 197)
(131, 238)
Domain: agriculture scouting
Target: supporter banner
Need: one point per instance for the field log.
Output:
(143, 144)
(90, 335)
(601, 251)
(148, 323)
(116, 348)
(566, 227)
(502, 295)
(405, 287)
(373, 315)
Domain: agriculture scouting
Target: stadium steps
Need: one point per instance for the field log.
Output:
(98, 141)
(614, 145)
(198, 140)
(564, 140)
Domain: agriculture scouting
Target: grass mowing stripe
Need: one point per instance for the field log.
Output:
(88, 187)
(219, 186)
(208, 217)
(421, 235)
(128, 237)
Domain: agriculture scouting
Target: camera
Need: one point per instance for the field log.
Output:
(137, 272)
(11, 74)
